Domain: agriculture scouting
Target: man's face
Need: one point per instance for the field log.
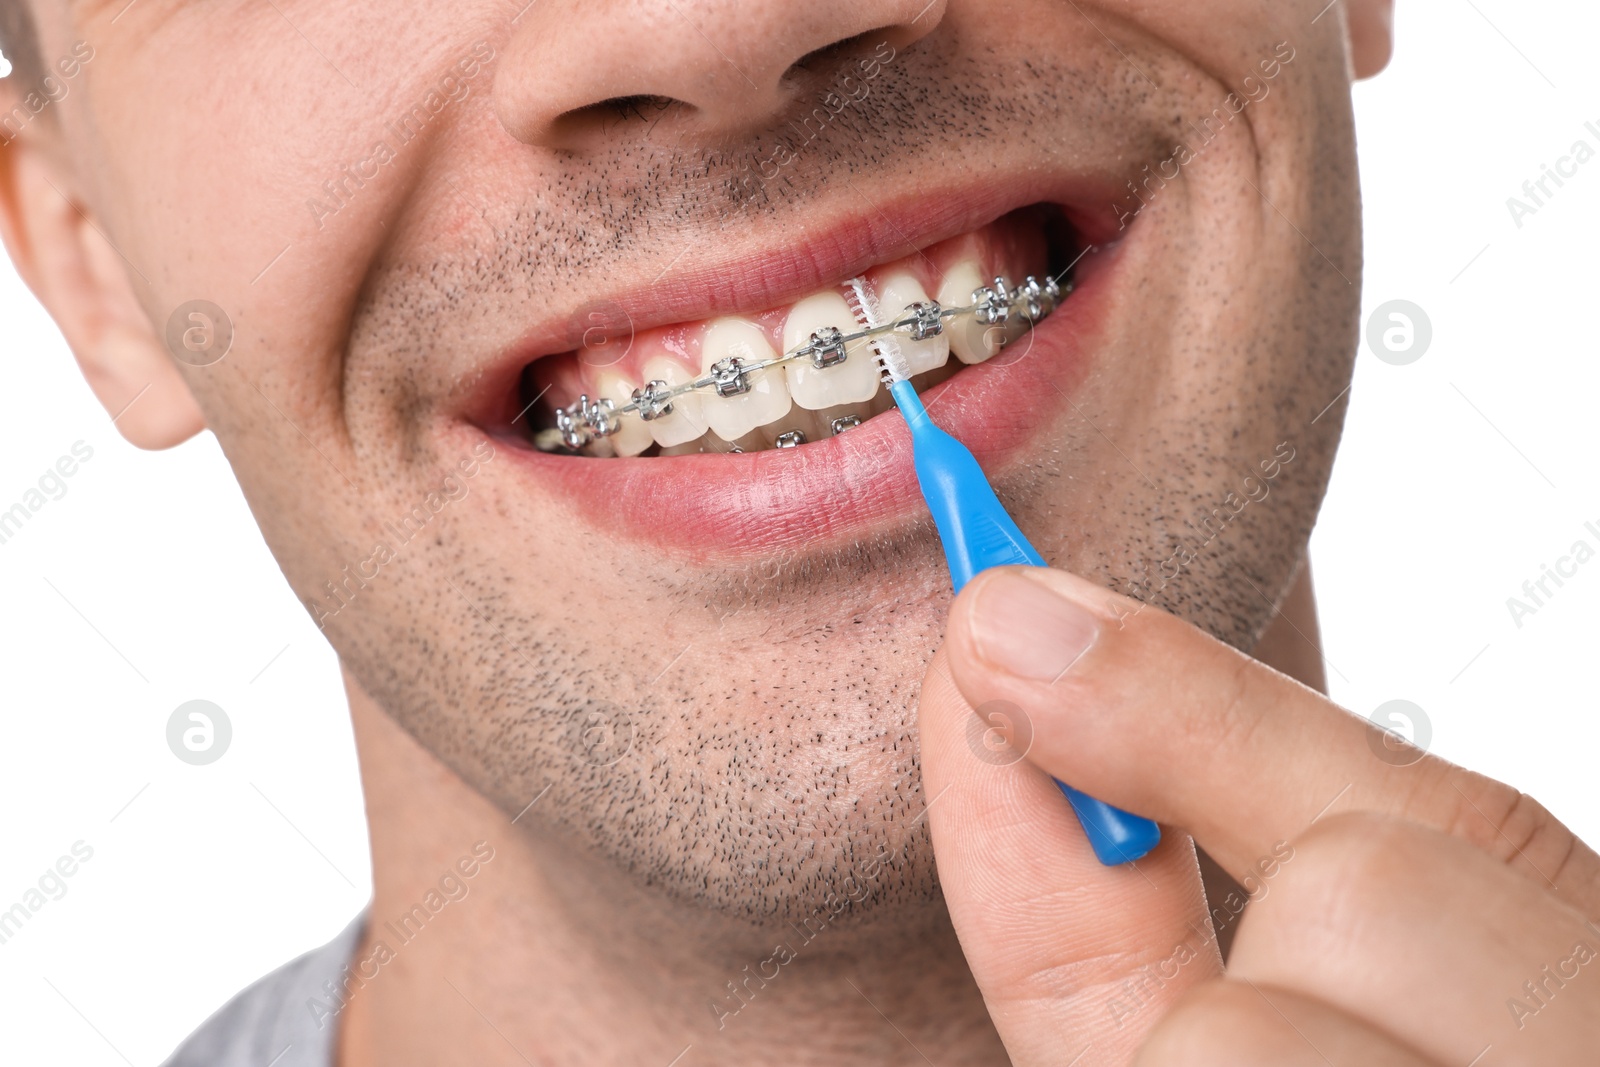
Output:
(414, 214)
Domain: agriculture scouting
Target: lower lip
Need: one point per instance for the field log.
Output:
(839, 489)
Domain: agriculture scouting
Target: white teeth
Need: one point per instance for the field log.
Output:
(795, 401)
(731, 417)
(854, 380)
(687, 421)
(897, 292)
(970, 340)
(633, 434)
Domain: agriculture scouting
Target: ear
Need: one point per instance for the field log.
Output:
(1371, 27)
(61, 253)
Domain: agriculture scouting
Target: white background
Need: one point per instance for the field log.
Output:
(148, 585)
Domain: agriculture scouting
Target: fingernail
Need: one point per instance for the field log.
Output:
(1024, 627)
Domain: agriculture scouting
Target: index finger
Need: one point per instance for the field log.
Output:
(1136, 707)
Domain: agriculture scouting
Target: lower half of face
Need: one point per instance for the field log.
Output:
(705, 630)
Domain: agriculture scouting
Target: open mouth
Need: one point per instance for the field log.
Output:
(794, 375)
(845, 471)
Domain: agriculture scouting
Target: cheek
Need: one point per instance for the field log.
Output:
(213, 200)
(269, 189)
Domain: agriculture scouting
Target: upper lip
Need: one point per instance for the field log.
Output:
(793, 267)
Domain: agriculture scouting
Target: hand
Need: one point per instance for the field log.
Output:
(1403, 911)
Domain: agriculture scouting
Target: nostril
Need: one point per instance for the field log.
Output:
(638, 105)
(838, 52)
(830, 51)
(715, 82)
(611, 111)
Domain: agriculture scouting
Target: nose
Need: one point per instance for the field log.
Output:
(725, 65)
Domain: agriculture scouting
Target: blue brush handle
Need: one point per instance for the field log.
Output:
(979, 534)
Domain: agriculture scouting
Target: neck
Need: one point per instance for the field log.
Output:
(543, 953)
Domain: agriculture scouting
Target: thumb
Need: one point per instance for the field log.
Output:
(1076, 961)
(1142, 710)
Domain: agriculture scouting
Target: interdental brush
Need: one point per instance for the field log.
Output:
(977, 534)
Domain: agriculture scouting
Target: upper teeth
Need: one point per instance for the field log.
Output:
(845, 374)
(925, 345)
(744, 400)
(745, 384)
(686, 421)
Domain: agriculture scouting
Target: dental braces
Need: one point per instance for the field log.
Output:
(588, 420)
